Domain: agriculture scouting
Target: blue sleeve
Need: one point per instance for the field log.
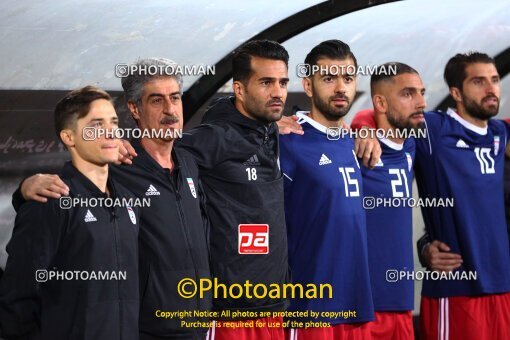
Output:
(420, 245)
(507, 126)
(424, 145)
(287, 160)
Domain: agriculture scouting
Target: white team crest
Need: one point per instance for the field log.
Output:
(192, 186)
(409, 161)
(496, 145)
(132, 215)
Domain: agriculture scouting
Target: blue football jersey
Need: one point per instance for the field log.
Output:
(326, 224)
(390, 228)
(462, 161)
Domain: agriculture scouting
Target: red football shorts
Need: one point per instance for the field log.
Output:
(484, 317)
(393, 326)
(265, 330)
(350, 331)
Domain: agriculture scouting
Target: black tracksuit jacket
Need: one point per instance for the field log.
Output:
(92, 239)
(172, 239)
(172, 242)
(239, 170)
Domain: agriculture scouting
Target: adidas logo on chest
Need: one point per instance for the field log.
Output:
(461, 144)
(324, 160)
(89, 217)
(252, 161)
(152, 191)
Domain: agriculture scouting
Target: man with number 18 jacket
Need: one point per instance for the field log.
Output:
(236, 149)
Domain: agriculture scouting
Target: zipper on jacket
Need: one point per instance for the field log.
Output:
(175, 180)
(116, 236)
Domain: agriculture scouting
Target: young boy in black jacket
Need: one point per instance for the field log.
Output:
(72, 271)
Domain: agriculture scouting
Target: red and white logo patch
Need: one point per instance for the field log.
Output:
(192, 186)
(132, 215)
(253, 239)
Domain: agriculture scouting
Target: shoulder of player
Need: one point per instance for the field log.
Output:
(499, 127)
(434, 120)
(208, 132)
(74, 184)
(121, 190)
(131, 176)
(410, 145)
(49, 211)
(498, 124)
(434, 117)
(291, 138)
(186, 158)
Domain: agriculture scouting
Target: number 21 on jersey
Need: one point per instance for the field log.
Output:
(400, 181)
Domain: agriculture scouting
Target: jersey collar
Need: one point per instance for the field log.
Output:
(465, 123)
(391, 144)
(303, 117)
(145, 160)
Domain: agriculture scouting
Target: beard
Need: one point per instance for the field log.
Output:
(477, 111)
(263, 111)
(405, 124)
(331, 112)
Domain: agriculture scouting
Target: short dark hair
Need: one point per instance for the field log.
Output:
(455, 69)
(76, 105)
(331, 49)
(388, 71)
(267, 49)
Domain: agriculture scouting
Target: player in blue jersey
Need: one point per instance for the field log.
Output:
(326, 223)
(463, 158)
(398, 99)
